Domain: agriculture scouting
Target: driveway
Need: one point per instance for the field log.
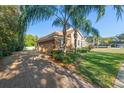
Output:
(27, 69)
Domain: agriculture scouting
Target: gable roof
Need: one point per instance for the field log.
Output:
(54, 34)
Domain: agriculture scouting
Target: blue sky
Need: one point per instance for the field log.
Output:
(107, 25)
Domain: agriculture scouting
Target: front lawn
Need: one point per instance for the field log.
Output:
(100, 68)
(109, 50)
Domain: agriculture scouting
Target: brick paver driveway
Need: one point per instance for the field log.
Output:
(28, 69)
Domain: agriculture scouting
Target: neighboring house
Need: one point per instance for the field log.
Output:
(117, 42)
(120, 45)
(54, 41)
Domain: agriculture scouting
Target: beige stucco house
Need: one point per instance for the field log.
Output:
(54, 41)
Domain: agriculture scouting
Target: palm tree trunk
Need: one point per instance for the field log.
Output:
(75, 40)
(64, 38)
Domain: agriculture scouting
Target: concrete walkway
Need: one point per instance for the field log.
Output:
(119, 82)
(28, 69)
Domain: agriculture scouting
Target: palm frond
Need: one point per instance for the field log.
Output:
(95, 32)
(57, 22)
(119, 11)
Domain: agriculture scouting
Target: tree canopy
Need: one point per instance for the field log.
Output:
(8, 29)
(30, 40)
(14, 21)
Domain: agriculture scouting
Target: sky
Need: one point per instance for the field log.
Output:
(108, 25)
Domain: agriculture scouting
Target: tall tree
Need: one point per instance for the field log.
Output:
(30, 14)
(30, 40)
(95, 35)
(8, 29)
(62, 14)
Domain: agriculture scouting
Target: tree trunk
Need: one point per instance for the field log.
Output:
(20, 41)
(64, 38)
(75, 40)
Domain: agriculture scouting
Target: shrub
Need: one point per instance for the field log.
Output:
(58, 55)
(85, 49)
(90, 47)
(68, 58)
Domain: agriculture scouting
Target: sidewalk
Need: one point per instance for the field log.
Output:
(119, 82)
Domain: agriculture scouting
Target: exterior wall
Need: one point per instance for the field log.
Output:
(80, 40)
(59, 42)
(46, 47)
(69, 42)
(56, 43)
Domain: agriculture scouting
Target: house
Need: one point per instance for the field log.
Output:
(54, 41)
(117, 43)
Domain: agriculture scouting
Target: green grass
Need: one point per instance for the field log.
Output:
(100, 68)
(109, 50)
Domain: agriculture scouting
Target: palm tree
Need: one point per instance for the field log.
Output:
(80, 22)
(77, 24)
(30, 14)
(64, 16)
(95, 34)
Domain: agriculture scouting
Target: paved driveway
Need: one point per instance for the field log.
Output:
(27, 69)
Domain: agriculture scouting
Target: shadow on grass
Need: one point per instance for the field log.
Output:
(100, 68)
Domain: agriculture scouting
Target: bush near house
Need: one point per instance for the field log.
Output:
(71, 57)
(68, 58)
(58, 55)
